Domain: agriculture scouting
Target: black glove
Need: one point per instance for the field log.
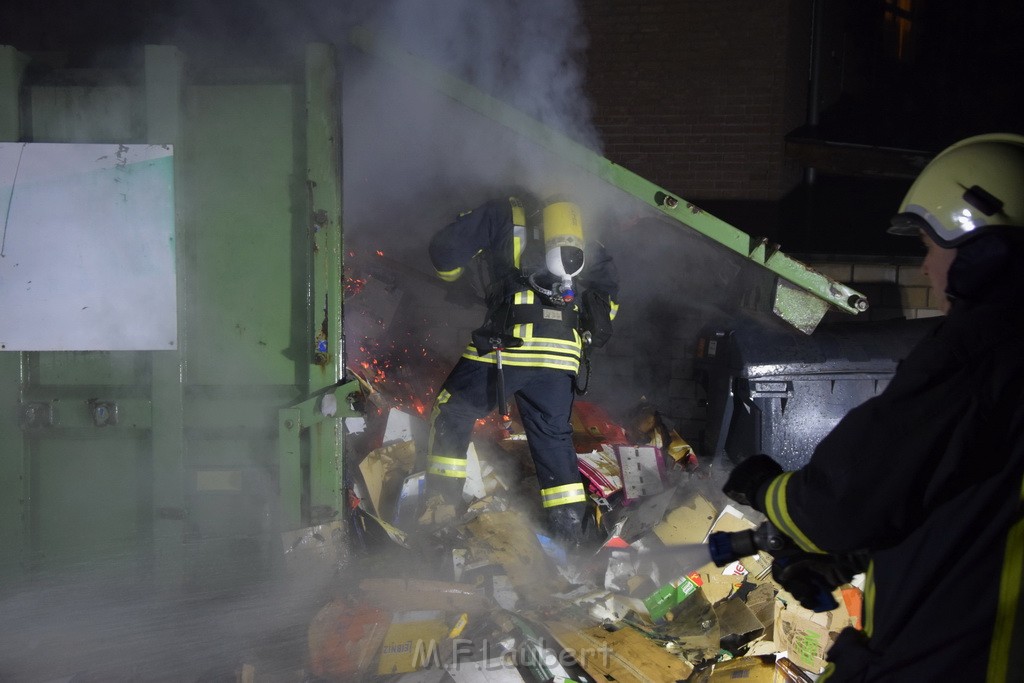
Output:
(748, 477)
(596, 317)
(811, 577)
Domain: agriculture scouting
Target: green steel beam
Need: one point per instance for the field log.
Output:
(289, 444)
(12, 69)
(757, 250)
(292, 421)
(164, 69)
(323, 179)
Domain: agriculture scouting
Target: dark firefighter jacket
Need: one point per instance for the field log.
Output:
(499, 233)
(929, 478)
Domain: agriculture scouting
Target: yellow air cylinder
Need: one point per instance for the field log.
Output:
(563, 239)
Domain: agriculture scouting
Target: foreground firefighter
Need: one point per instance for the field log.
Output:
(927, 477)
(531, 345)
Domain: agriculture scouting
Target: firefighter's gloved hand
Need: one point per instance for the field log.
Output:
(811, 577)
(749, 477)
(484, 341)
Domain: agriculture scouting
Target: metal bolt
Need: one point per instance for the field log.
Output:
(289, 424)
(858, 302)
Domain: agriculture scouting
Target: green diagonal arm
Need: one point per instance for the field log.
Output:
(804, 278)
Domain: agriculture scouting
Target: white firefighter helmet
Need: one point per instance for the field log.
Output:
(967, 188)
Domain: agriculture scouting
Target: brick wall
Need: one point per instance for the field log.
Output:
(697, 96)
(894, 290)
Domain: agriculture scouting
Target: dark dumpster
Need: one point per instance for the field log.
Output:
(771, 389)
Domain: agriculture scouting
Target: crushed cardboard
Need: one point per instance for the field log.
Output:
(383, 470)
(690, 522)
(636, 613)
(624, 654)
(505, 539)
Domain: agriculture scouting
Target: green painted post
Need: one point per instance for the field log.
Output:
(164, 79)
(289, 428)
(323, 160)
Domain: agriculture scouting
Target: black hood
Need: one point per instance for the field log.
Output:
(989, 268)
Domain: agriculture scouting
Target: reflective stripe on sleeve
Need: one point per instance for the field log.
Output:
(1007, 654)
(451, 275)
(563, 495)
(869, 599)
(777, 510)
(447, 467)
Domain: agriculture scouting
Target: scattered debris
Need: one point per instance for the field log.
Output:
(488, 596)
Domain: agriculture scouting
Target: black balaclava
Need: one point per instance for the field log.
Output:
(988, 268)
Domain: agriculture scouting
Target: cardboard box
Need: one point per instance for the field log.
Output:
(746, 669)
(642, 469)
(343, 640)
(738, 624)
(383, 471)
(600, 470)
(624, 655)
(689, 523)
(411, 642)
(807, 635)
(506, 539)
(671, 595)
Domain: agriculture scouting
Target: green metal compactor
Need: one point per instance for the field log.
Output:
(182, 431)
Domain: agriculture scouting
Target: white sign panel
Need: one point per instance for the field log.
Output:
(87, 247)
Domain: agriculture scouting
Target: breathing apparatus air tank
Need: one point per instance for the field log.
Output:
(563, 244)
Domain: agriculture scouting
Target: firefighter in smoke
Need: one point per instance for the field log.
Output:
(550, 298)
(928, 477)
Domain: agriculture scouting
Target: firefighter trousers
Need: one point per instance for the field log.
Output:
(544, 398)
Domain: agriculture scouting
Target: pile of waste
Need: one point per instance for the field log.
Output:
(489, 596)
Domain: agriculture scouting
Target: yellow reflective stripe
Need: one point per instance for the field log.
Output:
(533, 360)
(450, 275)
(447, 467)
(518, 241)
(536, 347)
(520, 330)
(869, 600)
(542, 361)
(777, 509)
(547, 344)
(614, 310)
(523, 298)
(563, 495)
(1008, 632)
(518, 211)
